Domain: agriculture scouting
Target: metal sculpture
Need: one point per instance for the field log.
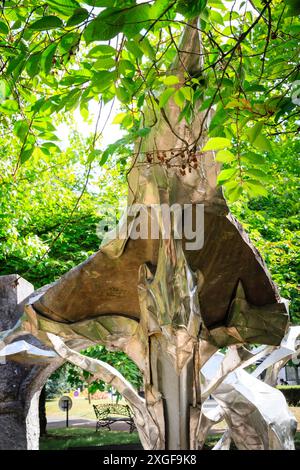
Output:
(167, 306)
(257, 415)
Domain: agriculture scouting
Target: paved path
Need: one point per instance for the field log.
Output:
(89, 423)
(57, 422)
(83, 423)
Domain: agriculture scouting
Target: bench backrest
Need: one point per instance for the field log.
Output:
(106, 409)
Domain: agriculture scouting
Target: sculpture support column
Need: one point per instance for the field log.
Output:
(170, 317)
(176, 390)
(20, 385)
(13, 290)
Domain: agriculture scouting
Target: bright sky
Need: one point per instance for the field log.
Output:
(111, 133)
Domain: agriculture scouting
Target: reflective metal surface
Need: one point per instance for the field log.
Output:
(257, 414)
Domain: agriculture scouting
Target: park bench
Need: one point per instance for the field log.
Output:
(109, 413)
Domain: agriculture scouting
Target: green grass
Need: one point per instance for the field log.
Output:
(81, 408)
(63, 438)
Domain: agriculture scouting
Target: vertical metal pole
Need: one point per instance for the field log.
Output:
(67, 416)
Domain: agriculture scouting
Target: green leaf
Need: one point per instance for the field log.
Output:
(37, 105)
(42, 124)
(79, 15)
(92, 155)
(72, 99)
(9, 106)
(26, 153)
(128, 121)
(165, 96)
(69, 41)
(47, 58)
(106, 26)
(216, 17)
(106, 154)
(206, 104)
(226, 175)
(123, 95)
(257, 173)
(143, 132)
(225, 156)
(103, 79)
(46, 23)
(134, 49)
(234, 192)
(171, 80)
(33, 64)
(102, 51)
(45, 151)
(253, 158)
(158, 8)
(254, 188)
(254, 132)
(179, 98)
(16, 64)
(65, 7)
(119, 118)
(3, 27)
(52, 147)
(139, 19)
(187, 92)
(5, 90)
(147, 49)
(217, 143)
(99, 3)
(104, 63)
(262, 143)
(254, 87)
(74, 80)
(257, 139)
(294, 8)
(126, 68)
(190, 8)
(21, 129)
(48, 136)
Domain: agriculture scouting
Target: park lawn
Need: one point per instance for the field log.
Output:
(80, 408)
(64, 438)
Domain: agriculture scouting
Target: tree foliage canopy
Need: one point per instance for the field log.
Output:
(62, 55)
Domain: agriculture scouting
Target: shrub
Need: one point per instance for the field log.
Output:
(291, 393)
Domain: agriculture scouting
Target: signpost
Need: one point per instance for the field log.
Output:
(65, 404)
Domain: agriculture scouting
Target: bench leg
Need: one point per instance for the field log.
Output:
(132, 426)
(99, 425)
